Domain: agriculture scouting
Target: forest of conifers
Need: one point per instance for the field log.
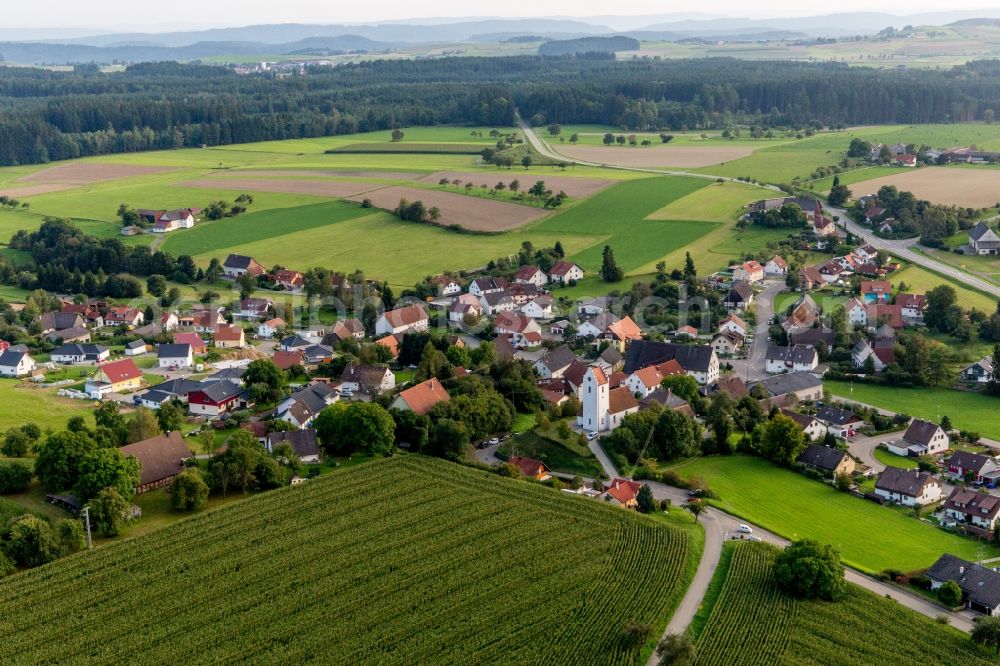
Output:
(48, 115)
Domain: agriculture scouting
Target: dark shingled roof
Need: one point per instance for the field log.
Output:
(903, 481)
(981, 584)
(920, 432)
(643, 353)
(822, 457)
(160, 457)
(303, 442)
(789, 383)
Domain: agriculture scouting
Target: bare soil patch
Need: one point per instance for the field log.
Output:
(657, 156)
(319, 188)
(975, 188)
(84, 173)
(29, 190)
(574, 187)
(323, 173)
(472, 213)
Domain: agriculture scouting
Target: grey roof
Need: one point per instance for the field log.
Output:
(303, 442)
(179, 386)
(368, 377)
(496, 297)
(559, 358)
(157, 396)
(795, 354)
(310, 400)
(811, 336)
(981, 584)
(219, 391)
(174, 350)
(238, 261)
(909, 482)
(227, 374)
(822, 457)
(663, 397)
(10, 359)
(982, 229)
(136, 344)
(968, 460)
(295, 342)
(836, 416)
(75, 349)
(789, 383)
(643, 353)
(920, 432)
(739, 293)
(986, 364)
(611, 356)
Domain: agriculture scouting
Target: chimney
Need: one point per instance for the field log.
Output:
(961, 569)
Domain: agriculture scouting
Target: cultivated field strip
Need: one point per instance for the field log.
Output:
(754, 622)
(403, 561)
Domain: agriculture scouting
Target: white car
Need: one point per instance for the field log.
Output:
(494, 441)
(592, 435)
(744, 529)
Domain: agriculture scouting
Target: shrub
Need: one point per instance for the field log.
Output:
(15, 476)
(950, 594)
(810, 570)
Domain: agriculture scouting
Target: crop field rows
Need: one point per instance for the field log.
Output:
(402, 561)
(753, 622)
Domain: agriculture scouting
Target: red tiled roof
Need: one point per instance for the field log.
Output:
(190, 339)
(287, 359)
(228, 333)
(561, 268)
(621, 399)
(422, 397)
(120, 371)
(623, 490)
(405, 316)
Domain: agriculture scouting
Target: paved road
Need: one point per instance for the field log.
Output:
(901, 249)
(862, 448)
(753, 367)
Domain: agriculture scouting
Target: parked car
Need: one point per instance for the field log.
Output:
(744, 529)
(494, 441)
(592, 435)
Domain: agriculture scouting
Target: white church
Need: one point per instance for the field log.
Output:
(603, 407)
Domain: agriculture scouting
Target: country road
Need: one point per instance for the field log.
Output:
(752, 367)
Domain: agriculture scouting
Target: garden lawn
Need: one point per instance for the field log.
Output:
(870, 537)
(891, 459)
(21, 402)
(967, 410)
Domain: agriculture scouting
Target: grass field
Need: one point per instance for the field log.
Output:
(870, 537)
(718, 202)
(755, 622)
(967, 410)
(556, 456)
(893, 460)
(920, 281)
(23, 402)
(441, 565)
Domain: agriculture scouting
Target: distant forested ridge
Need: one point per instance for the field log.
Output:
(48, 115)
(611, 44)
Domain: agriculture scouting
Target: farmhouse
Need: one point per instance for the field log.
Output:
(161, 458)
(831, 462)
(74, 353)
(980, 585)
(16, 364)
(983, 240)
(114, 377)
(237, 265)
(797, 358)
(165, 221)
(907, 487)
(304, 443)
(403, 319)
(421, 398)
(174, 356)
(564, 271)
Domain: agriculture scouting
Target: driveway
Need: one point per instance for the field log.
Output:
(862, 448)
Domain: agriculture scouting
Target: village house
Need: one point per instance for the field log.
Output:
(421, 398)
(880, 357)
(304, 443)
(828, 461)
(174, 356)
(921, 438)
(562, 272)
(75, 353)
(841, 423)
(531, 468)
(798, 358)
(345, 329)
(912, 306)
(811, 337)
(726, 342)
(90, 312)
(214, 399)
(137, 348)
(874, 214)
(122, 315)
(253, 309)
(304, 405)
(644, 381)
(907, 487)
(58, 322)
(796, 387)
(776, 266)
(486, 285)
(972, 468)
(865, 253)
(464, 308)
(367, 379)
(823, 226)
(749, 271)
(740, 296)
(161, 458)
(980, 585)
(522, 292)
(623, 492)
(594, 306)
(114, 377)
(620, 333)
(555, 363)
(733, 324)
(510, 323)
(16, 364)
(445, 285)
(983, 240)
(271, 327)
(390, 342)
(290, 280)
(969, 507)
(603, 407)
(495, 302)
(698, 361)
(238, 265)
(804, 314)
(979, 372)
(206, 320)
(198, 346)
(875, 291)
(229, 337)
(531, 275)
(403, 319)
(165, 221)
(812, 427)
(539, 308)
(596, 325)
(285, 359)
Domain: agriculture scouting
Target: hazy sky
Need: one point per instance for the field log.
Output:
(119, 15)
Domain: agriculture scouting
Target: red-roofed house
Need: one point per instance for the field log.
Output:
(624, 492)
(289, 279)
(122, 315)
(530, 467)
(531, 275)
(198, 346)
(391, 343)
(114, 377)
(749, 271)
(422, 397)
(287, 359)
(875, 291)
(403, 319)
(776, 266)
(513, 322)
(621, 333)
(229, 337)
(564, 271)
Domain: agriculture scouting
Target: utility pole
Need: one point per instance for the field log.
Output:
(86, 522)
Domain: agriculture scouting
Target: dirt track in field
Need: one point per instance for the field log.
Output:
(470, 212)
(656, 156)
(975, 188)
(75, 174)
(319, 188)
(29, 190)
(574, 187)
